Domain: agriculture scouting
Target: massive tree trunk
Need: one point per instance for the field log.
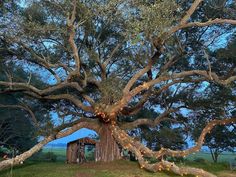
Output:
(107, 149)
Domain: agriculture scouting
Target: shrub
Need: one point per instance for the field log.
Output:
(176, 159)
(200, 160)
(50, 156)
(4, 150)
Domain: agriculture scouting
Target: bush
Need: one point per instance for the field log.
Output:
(200, 160)
(37, 156)
(4, 150)
(50, 156)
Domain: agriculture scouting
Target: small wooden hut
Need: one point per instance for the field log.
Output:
(75, 152)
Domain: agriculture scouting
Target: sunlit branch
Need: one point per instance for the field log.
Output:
(25, 86)
(136, 108)
(120, 106)
(214, 78)
(199, 142)
(137, 76)
(140, 151)
(59, 133)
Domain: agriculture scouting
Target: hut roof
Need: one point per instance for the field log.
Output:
(85, 140)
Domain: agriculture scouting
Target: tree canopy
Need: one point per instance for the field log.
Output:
(98, 63)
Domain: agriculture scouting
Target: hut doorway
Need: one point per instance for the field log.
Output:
(90, 153)
(81, 150)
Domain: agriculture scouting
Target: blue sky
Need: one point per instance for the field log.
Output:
(78, 134)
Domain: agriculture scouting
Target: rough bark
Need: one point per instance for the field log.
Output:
(107, 149)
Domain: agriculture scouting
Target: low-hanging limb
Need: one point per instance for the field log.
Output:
(45, 93)
(140, 150)
(82, 123)
(199, 142)
(128, 143)
(182, 153)
(67, 97)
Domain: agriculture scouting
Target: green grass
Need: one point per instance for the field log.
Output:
(42, 169)
(225, 157)
(60, 152)
(119, 168)
(114, 169)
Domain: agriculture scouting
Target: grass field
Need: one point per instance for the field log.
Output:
(225, 157)
(115, 169)
(120, 168)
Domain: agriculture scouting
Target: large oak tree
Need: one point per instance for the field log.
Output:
(103, 61)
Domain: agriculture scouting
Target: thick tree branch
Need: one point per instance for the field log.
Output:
(184, 21)
(199, 142)
(177, 77)
(82, 123)
(67, 97)
(213, 77)
(191, 10)
(137, 76)
(45, 93)
(149, 122)
(72, 26)
(133, 110)
(138, 149)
